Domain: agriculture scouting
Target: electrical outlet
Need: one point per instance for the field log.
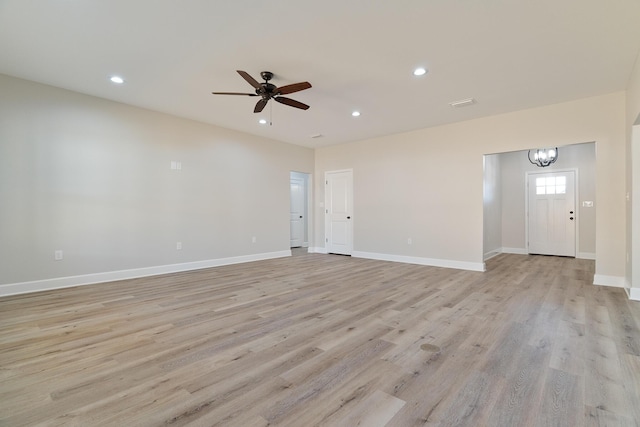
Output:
(587, 204)
(179, 246)
(58, 255)
(409, 241)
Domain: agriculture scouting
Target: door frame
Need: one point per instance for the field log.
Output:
(326, 204)
(576, 195)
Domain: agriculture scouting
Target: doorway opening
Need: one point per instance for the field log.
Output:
(299, 210)
(505, 197)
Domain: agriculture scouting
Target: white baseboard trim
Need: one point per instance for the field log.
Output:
(634, 294)
(523, 251)
(491, 254)
(317, 250)
(110, 276)
(459, 265)
(613, 281)
(586, 255)
(517, 251)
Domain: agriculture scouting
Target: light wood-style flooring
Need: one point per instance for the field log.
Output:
(325, 340)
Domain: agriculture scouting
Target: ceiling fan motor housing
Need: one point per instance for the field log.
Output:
(267, 90)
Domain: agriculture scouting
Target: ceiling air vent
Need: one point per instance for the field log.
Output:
(462, 103)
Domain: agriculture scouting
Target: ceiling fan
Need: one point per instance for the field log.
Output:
(269, 91)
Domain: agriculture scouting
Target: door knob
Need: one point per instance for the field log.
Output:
(571, 218)
(300, 216)
(571, 212)
(348, 217)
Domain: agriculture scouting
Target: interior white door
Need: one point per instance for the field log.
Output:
(339, 212)
(297, 211)
(552, 213)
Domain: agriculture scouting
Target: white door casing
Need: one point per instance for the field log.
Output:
(296, 219)
(339, 212)
(551, 211)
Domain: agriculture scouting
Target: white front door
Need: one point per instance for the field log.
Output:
(339, 212)
(552, 213)
(297, 222)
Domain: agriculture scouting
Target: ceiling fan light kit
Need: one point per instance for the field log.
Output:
(267, 91)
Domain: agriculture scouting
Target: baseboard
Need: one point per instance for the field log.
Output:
(523, 251)
(517, 251)
(634, 294)
(586, 255)
(459, 265)
(613, 281)
(316, 250)
(491, 254)
(110, 276)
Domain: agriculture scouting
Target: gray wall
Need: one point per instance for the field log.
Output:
(92, 178)
(492, 212)
(632, 273)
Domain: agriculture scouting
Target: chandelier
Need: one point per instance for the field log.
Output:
(543, 157)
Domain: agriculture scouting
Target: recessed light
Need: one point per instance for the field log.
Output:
(462, 102)
(117, 79)
(355, 113)
(419, 71)
(262, 121)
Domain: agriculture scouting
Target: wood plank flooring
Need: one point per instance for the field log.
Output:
(323, 340)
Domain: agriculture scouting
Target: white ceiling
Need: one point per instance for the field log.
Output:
(357, 54)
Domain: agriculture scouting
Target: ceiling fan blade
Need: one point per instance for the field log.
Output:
(296, 87)
(291, 102)
(253, 82)
(260, 105)
(234, 93)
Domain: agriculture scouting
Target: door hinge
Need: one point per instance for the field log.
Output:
(326, 211)
(326, 182)
(326, 240)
